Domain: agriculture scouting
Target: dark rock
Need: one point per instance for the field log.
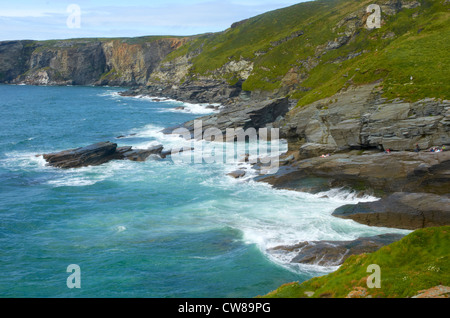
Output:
(125, 136)
(334, 253)
(360, 118)
(98, 154)
(401, 210)
(237, 174)
(142, 154)
(253, 115)
(166, 153)
(378, 173)
(14, 59)
(92, 155)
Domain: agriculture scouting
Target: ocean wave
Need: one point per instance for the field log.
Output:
(111, 94)
(55, 177)
(179, 106)
(189, 108)
(347, 196)
(23, 160)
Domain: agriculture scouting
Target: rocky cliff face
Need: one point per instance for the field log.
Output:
(73, 63)
(83, 62)
(132, 64)
(359, 118)
(319, 54)
(14, 59)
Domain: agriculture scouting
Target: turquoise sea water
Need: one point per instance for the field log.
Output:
(140, 229)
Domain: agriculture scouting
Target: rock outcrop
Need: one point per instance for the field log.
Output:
(413, 186)
(206, 91)
(359, 118)
(14, 59)
(401, 210)
(98, 154)
(253, 115)
(440, 291)
(374, 172)
(334, 253)
(117, 62)
(65, 63)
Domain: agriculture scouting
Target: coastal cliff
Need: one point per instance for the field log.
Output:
(114, 62)
(316, 71)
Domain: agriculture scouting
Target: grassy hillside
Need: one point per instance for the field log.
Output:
(418, 262)
(291, 50)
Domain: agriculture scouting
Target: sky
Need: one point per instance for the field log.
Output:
(63, 19)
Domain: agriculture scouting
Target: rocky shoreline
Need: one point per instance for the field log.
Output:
(354, 130)
(412, 185)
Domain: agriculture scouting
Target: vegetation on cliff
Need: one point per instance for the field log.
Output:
(312, 50)
(419, 261)
(308, 51)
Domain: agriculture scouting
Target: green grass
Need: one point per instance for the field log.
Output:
(419, 48)
(419, 261)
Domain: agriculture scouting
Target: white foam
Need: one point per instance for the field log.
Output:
(197, 109)
(274, 217)
(155, 136)
(346, 196)
(121, 229)
(23, 160)
(180, 106)
(111, 94)
(72, 181)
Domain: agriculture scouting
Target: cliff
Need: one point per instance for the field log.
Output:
(118, 62)
(332, 85)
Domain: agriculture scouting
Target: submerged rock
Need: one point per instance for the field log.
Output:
(237, 174)
(98, 154)
(142, 154)
(334, 253)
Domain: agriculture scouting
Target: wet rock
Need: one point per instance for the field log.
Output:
(252, 115)
(166, 153)
(98, 154)
(401, 210)
(373, 172)
(142, 154)
(237, 174)
(92, 155)
(334, 253)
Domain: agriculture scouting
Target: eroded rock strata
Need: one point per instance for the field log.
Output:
(97, 154)
(334, 253)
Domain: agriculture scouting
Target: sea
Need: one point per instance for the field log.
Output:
(162, 228)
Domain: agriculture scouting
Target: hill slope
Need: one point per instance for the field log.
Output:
(308, 51)
(312, 50)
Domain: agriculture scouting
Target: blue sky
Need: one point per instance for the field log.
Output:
(47, 19)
